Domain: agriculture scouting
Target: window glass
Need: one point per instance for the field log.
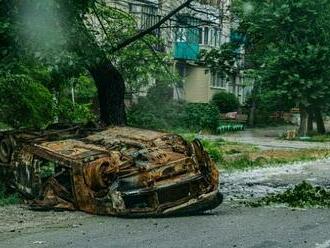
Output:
(200, 34)
(206, 36)
(218, 80)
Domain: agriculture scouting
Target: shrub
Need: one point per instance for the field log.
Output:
(200, 116)
(7, 199)
(24, 102)
(147, 114)
(78, 113)
(173, 115)
(226, 102)
(159, 111)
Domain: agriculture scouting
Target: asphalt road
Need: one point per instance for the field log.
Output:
(230, 225)
(223, 227)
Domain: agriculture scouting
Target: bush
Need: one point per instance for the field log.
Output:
(78, 113)
(7, 199)
(173, 115)
(200, 116)
(24, 101)
(159, 111)
(226, 102)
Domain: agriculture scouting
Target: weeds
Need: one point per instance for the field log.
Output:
(303, 195)
(319, 138)
(6, 198)
(238, 156)
(213, 149)
(233, 156)
(4, 126)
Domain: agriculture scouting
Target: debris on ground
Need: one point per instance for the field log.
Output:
(303, 195)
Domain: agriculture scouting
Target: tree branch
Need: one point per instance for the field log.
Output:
(143, 33)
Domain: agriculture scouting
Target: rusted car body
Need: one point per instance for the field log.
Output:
(118, 171)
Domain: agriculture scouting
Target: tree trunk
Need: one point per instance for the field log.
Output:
(310, 127)
(252, 114)
(303, 122)
(111, 93)
(319, 122)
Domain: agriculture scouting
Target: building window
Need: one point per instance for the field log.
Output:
(216, 37)
(206, 36)
(147, 15)
(209, 36)
(218, 80)
(200, 35)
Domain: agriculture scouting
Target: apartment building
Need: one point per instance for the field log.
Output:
(206, 24)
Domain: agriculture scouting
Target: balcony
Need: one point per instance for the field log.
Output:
(186, 51)
(186, 45)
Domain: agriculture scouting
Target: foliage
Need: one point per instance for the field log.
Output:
(173, 115)
(24, 102)
(159, 111)
(301, 196)
(74, 113)
(267, 102)
(147, 114)
(55, 42)
(81, 110)
(213, 150)
(226, 102)
(289, 48)
(238, 156)
(200, 116)
(223, 60)
(7, 199)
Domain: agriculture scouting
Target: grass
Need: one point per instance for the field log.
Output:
(233, 156)
(303, 195)
(318, 138)
(4, 126)
(6, 198)
(272, 157)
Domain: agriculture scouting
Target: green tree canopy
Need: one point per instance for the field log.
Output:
(289, 49)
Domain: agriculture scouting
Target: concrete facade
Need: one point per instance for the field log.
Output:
(213, 22)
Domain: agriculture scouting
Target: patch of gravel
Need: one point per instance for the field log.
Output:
(255, 183)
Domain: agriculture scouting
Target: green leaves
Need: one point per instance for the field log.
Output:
(290, 49)
(24, 102)
(301, 196)
(222, 60)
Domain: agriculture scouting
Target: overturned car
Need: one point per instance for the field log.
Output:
(118, 171)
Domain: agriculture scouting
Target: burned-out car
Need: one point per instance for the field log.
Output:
(119, 171)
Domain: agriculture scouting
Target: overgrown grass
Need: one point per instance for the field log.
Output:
(273, 157)
(4, 126)
(303, 195)
(318, 138)
(7, 198)
(233, 156)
